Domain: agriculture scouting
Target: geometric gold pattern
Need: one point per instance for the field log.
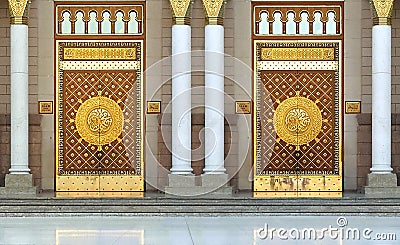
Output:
(99, 129)
(283, 97)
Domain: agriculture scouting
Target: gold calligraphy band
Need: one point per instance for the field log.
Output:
(19, 20)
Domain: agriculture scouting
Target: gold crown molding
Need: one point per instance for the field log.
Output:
(381, 12)
(19, 11)
(181, 11)
(214, 11)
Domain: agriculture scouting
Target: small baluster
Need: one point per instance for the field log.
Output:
(66, 23)
(277, 25)
(264, 24)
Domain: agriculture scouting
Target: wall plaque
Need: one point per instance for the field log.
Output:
(243, 107)
(153, 107)
(353, 107)
(45, 107)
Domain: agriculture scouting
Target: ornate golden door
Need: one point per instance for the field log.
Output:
(297, 120)
(297, 91)
(99, 121)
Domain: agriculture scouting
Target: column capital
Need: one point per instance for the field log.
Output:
(381, 11)
(214, 11)
(19, 11)
(181, 11)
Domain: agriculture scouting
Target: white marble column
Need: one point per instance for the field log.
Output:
(214, 99)
(381, 181)
(381, 99)
(181, 100)
(19, 99)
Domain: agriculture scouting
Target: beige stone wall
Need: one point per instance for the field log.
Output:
(242, 75)
(352, 88)
(46, 87)
(153, 76)
(366, 34)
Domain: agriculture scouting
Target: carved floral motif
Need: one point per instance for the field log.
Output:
(19, 11)
(214, 11)
(382, 11)
(181, 10)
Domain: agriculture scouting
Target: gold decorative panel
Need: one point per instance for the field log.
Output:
(297, 54)
(297, 122)
(99, 118)
(99, 54)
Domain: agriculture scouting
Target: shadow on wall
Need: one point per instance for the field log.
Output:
(364, 147)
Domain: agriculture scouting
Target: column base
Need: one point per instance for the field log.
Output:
(218, 184)
(18, 185)
(212, 186)
(382, 186)
(180, 185)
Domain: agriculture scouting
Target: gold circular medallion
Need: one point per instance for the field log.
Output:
(297, 120)
(99, 120)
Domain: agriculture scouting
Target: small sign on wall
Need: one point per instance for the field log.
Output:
(45, 107)
(353, 107)
(153, 107)
(243, 107)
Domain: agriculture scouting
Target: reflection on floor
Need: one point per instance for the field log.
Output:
(201, 230)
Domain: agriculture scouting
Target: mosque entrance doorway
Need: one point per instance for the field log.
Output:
(99, 99)
(297, 91)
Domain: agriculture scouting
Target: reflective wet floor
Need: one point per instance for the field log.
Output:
(201, 230)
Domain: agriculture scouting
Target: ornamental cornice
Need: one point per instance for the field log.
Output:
(19, 11)
(181, 11)
(382, 11)
(214, 11)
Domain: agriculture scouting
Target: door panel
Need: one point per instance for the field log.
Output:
(297, 121)
(100, 121)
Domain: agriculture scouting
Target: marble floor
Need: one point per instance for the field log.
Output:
(200, 230)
